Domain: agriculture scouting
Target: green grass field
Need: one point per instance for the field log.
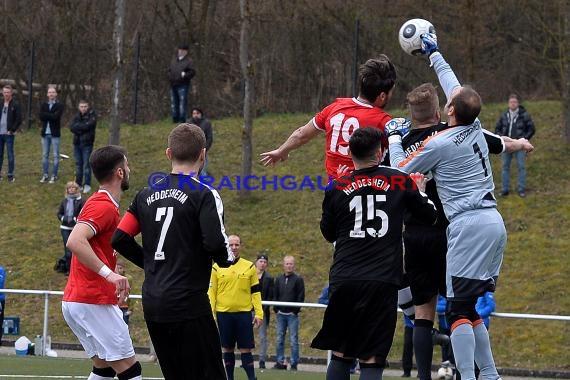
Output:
(29, 367)
(533, 277)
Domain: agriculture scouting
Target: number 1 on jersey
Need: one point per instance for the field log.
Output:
(160, 212)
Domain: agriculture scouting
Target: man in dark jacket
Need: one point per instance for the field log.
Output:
(515, 123)
(267, 285)
(200, 120)
(180, 72)
(10, 120)
(50, 116)
(83, 128)
(289, 287)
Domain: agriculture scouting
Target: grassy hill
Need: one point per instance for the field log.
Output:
(286, 222)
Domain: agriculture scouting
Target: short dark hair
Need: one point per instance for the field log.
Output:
(198, 109)
(376, 76)
(423, 102)
(105, 160)
(515, 96)
(186, 141)
(364, 143)
(467, 105)
(8, 87)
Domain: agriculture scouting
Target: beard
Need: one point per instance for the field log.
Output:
(125, 184)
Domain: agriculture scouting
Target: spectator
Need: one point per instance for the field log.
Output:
(234, 292)
(2, 300)
(50, 116)
(266, 284)
(204, 124)
(408, 350)
(515, 123)
(10, 121)
(124, 303)
(67, 214)
(180, 72)
(178, 264)
(289, 287)
(83, 128)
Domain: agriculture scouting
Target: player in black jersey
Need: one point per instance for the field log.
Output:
(363, 213)
(426, 245)
(181, 223)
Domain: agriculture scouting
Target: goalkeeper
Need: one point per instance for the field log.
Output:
(458, 159)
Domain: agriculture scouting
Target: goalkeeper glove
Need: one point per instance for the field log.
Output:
(398, 126)
(429, 43)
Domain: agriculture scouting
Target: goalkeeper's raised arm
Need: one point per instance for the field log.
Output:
(445, 74)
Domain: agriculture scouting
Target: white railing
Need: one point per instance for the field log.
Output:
(48, 293)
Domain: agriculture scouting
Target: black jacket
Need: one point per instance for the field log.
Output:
(177, 66)
(83, 128)
(289, 289)
(205, 126)
(53, 117)
(267, 285)
(523, 126)
(77, 206)
(14, 114)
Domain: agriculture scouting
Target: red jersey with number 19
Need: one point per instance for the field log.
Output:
(339, 120)
(101, 213)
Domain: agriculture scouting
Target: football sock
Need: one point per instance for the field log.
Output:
(483, 353)
(370, 371)
(423, 347)
(463, 343)
(101, 373)
(339, 368)
(230, 363)
(247, 364)
(133, 373)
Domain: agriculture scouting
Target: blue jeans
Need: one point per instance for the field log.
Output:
(283, 322)
(50, 142)
(179, 102)
(82, 168)
(507, 157)
(7, 140)
(263, 336)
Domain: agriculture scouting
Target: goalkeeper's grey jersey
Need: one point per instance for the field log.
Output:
(458, 158)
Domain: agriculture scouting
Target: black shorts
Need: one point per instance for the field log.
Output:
(360, 319)
(426, 248)
(188, 349)
(236, 328)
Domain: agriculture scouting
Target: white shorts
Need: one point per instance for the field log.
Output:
(100, 329)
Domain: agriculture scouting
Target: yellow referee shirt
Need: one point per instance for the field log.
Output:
(235, 288)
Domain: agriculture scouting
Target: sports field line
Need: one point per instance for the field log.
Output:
(59, 377)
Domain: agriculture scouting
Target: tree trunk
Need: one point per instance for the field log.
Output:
(566, 72)
(247, 73)
(118, 34)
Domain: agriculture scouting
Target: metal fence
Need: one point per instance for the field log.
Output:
(48, 293)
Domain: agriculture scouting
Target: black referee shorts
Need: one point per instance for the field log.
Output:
(425, 251)
(360, 319)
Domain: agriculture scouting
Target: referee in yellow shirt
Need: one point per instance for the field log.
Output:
(234, 293)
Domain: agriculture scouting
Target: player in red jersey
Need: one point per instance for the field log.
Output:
(340, 119)
(90, 299)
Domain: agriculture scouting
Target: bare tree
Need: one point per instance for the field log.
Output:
(566, 71)
(247, 72)
(118, 35)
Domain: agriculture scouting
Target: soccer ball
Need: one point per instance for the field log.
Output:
(410, 32)
(445, 373)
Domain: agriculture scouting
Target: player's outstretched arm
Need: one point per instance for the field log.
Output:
(298, 138)
(445, 74)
